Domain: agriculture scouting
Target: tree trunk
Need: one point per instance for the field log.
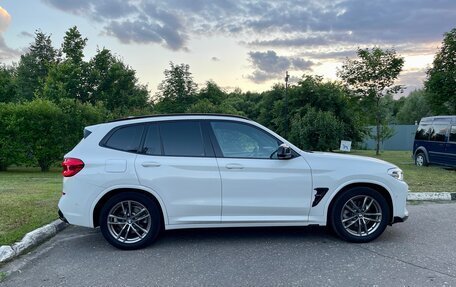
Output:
(3, 166)
(44, 165)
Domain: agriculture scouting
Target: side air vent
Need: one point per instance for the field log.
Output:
(321, 191)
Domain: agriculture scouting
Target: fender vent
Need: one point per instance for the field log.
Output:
(321, 191)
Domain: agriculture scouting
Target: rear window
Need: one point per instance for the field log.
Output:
(86, 133)
(439, 131)
(126, 138)
(182, 138)
(453, 134)
(423, 131)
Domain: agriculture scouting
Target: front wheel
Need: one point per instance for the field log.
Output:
(360, 215)
(130, 221)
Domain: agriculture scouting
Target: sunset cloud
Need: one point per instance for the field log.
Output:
(5, 19)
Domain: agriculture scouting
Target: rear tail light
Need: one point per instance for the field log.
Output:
(72, 166)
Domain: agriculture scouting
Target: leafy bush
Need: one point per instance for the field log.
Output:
(40, 132)
(316, 130)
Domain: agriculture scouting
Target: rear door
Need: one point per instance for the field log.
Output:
(177, 162)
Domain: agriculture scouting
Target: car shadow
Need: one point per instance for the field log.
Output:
(245, 234)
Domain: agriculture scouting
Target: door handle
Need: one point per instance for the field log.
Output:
(234, 166)
(150, 164)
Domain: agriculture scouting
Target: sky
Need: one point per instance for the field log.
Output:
(236, 43)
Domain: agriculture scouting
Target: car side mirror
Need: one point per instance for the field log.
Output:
(284, 152)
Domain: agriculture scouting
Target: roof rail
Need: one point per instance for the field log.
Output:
(174, 115)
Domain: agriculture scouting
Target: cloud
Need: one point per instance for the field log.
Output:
(25, 34)
(412, 79)
(268, 65)
(6, 52)
(215, 59)
(5, 19)
(317, 25)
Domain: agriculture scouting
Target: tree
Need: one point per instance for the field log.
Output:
(73, 45)
(370, 77)
(441, 78)
(8, 84)
(177, 91)
(115, 84)
(69, 78)
(415, 107)
(34, 66)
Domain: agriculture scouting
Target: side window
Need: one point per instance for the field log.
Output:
(439, 132)
(243, 141)
(126, 138)
(422, 133)
(453, 134)
(182, 138)
(152, 144)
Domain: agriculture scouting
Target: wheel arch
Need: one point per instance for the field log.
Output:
(114, 191)
(423, 150)
(377, 187)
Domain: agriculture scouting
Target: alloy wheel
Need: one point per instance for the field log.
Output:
(361, 215)
(129, 221)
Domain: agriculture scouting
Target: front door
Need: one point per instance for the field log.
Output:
(256, 185)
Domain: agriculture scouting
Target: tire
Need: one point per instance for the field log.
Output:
(130, 221)
(360, 215)
(420, 159)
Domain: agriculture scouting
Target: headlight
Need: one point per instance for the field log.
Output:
(396, 173)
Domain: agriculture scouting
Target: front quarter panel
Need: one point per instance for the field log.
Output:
(336, 172)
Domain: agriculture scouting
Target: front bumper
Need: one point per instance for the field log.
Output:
(398, 219)
(62, 217)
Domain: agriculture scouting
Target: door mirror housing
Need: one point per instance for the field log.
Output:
(284, 152)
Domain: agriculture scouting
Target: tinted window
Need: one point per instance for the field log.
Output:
(453, 134)
(152, 145)
(126, 138)
(439, 132)
(244, 141)
(422, 133)
(182, 138)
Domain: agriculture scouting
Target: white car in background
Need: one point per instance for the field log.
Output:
(137, 176)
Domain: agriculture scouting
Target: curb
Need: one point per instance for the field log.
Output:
(433, 196)
(30, 240)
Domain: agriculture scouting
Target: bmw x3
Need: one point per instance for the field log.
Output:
(137, 176)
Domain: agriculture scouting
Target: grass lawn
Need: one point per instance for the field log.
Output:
(419, 179)
(28, 200)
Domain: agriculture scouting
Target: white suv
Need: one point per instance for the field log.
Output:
(137, 176)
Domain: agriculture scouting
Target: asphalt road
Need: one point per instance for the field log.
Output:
(419, 252)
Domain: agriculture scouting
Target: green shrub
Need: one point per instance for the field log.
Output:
(316, 130)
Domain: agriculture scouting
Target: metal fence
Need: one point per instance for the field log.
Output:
(402, 138)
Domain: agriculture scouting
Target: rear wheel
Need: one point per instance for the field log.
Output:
(130, 221)
(360, 215)
(420, 159)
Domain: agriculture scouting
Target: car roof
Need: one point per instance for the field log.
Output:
(166, 117)
(439, 118)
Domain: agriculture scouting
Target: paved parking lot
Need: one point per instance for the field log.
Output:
(419, 252)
